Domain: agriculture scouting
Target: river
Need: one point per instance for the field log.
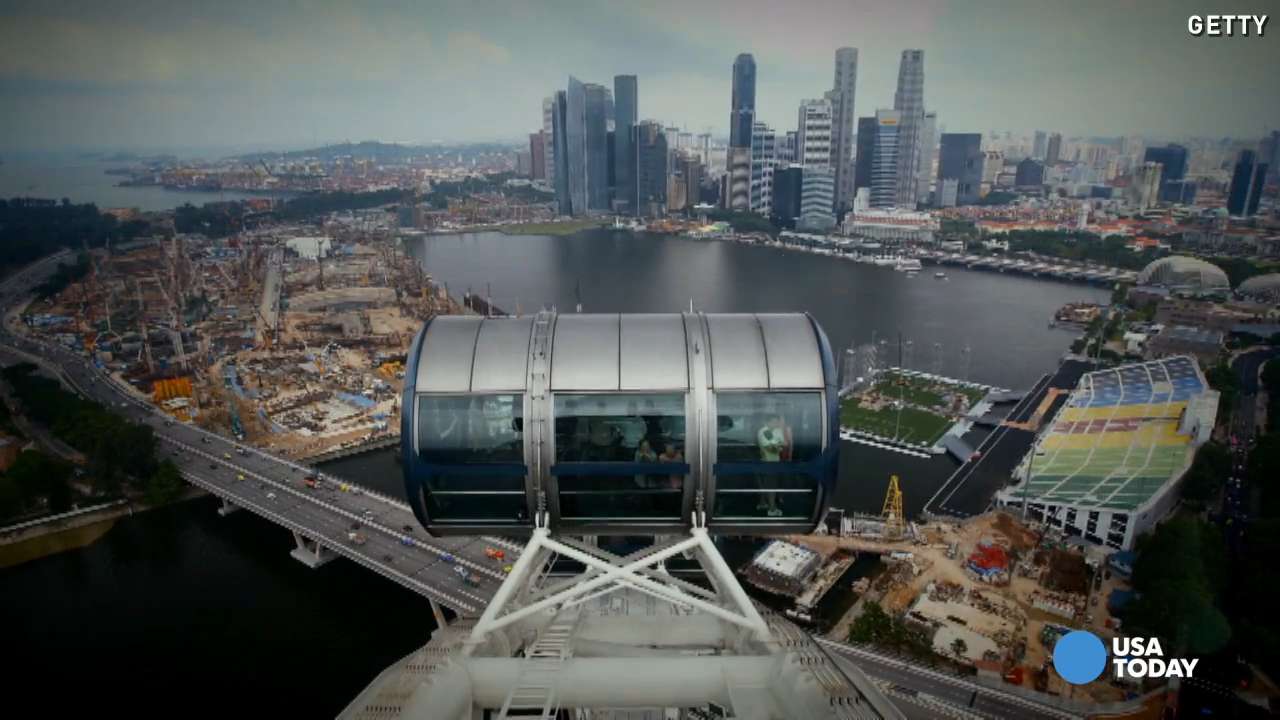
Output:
(182, 606)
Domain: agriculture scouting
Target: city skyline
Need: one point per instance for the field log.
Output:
(174, 75)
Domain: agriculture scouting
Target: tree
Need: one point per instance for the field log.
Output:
(1207, 473)
(38, 475)
(1179, 575)
(165, 484)
(873, 626)
(959, 647)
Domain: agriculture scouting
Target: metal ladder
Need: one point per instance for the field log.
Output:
(534, 694)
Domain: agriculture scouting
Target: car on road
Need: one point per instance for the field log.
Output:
(388, 558)
(213, 466)
(204, 439)
(368, 514)
(271, 496)
(240, 476)
(355, 526)
(226, 456)
(406, 541)
(408, 528)
(506, 569)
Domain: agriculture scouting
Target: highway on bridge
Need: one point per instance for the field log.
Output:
(395, 545)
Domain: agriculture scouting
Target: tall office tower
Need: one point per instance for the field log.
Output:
(743, 104)
(784, 152)
(651, 168)
(817, 197)
(703, 144)
(626, 102)
(813, 134)
(560, 152)
(742, 117)
(599, 102)
(928, 151)
(1173, 162)
(1247, 181)
(992, 165)
(961, 160)
(841, 97)
(1053, 150)
(689, 167)
(1029, 174)
(1270, 148)
(884, 159)
(549, 139)
(763, 142)
(788, 183)
(537, 156)
(1038, 147)
(909, 102)
(1144, 185)
(865, 151)
(575, 165)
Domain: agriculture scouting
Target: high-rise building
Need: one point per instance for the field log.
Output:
(928, 151)
(842, 123)
(784, 152)
(1039, 145)
(537, 156)
(1053, 150)
(763, 141)
(651, 168)
(626, 103)
(788, 184)
(1144, 185)
(575, 150)
(742, 118)
(688, 168)
(549, 139)
(1270, 148)
(1173, 163)
(908, 101)
(1247, 181)
(992, 166)
(884, 159)
(1029, 174)
(961, 160)
(813, 134)
(817, 190)
(866, 149)
(599, 104)
(743, 103)
(560, 153)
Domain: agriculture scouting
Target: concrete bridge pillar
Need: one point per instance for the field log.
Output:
(227, 508)
(436, 610)
(309, 552)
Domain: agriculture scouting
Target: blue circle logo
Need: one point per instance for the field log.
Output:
(1079, 657)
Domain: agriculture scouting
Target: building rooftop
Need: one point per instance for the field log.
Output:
(785, 560)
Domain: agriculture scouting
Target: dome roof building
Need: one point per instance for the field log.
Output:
(1188, 274)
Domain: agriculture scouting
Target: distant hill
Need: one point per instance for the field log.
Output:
(379, 151)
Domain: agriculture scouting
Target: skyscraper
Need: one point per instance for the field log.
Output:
(1029, 174)
(626, 103)
(866, 150)
(817, 188)
(928, 150)
(537, 156)
(763, 144)
(813, 134)
(842, 115)
(743, 104)
(1270, 148)
(885, 163)
(961, 160)
(1053, 149)
(1247, 181)
(651, 168)
(549, 139)
(1144, 185)
(742, 117)
(1039, 146)
(908, 101)
(599, 102)
(1173, 163)
(560, 152)
(575, 149)
(788, 183)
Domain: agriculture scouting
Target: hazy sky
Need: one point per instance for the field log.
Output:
(174, 73)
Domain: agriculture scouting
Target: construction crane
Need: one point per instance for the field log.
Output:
(894, 524)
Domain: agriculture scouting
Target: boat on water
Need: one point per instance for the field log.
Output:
(907, 265)
(940, 275)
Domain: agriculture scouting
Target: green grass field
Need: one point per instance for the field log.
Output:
(912, 425)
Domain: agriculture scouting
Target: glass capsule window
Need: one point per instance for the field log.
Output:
(620, 456)
(769, 448)
(473, 447)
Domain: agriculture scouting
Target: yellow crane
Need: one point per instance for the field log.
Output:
(894, 524)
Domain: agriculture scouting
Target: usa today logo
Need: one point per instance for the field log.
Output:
(1080, 658)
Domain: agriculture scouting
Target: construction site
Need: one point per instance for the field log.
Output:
(290, 339)
(988, 593)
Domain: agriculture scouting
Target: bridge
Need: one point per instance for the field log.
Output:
(246, 478)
